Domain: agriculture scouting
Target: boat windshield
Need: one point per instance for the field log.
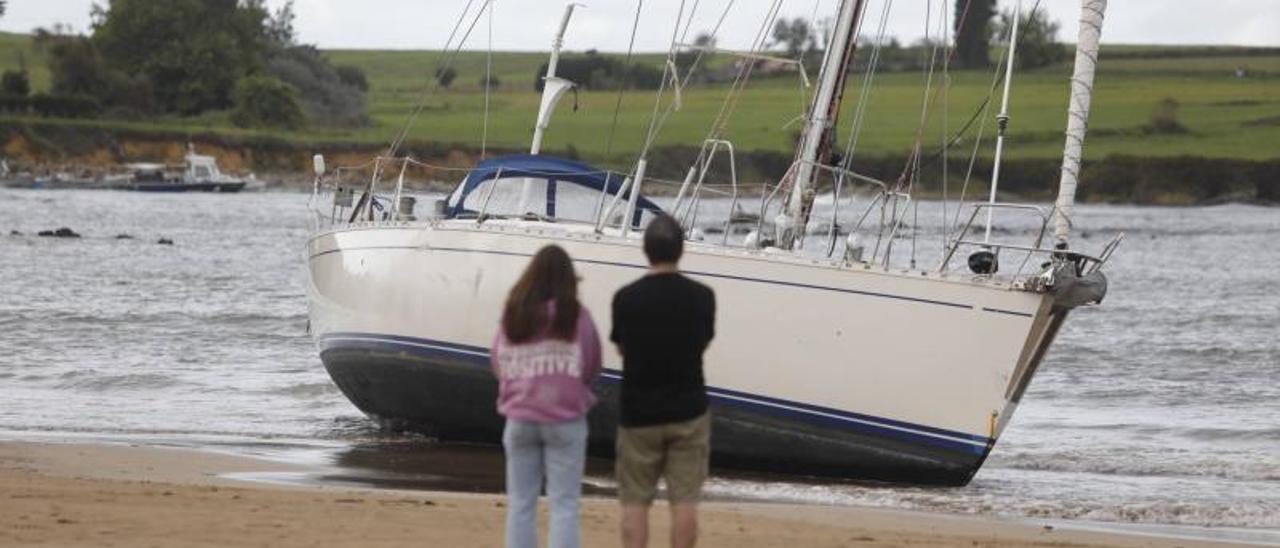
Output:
(558, 189)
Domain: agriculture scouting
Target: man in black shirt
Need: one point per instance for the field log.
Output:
(662, 323)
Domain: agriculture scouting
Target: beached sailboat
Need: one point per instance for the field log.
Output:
(827, 361)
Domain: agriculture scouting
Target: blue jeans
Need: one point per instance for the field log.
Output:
(556, 451)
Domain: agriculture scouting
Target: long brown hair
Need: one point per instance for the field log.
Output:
(549, 277)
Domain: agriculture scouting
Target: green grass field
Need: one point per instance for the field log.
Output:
(1225, 116)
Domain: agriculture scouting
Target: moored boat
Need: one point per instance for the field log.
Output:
(198, 173)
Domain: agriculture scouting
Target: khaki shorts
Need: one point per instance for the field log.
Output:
(677, 451)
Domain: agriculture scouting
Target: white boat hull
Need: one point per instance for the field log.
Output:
(817, 368)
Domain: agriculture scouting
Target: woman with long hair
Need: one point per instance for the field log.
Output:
(546, 357)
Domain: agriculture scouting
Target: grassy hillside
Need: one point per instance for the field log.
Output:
(1225, 116)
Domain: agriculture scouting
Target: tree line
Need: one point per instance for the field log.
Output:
(978, 27)
(188, 58)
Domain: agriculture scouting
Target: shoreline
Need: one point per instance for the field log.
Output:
(132, 494)
(1113, 178)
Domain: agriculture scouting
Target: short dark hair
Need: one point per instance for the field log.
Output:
(663, 240)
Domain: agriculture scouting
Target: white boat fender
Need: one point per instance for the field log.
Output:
(783, 226)
(853, 248)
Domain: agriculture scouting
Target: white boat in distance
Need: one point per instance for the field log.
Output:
(824, 364)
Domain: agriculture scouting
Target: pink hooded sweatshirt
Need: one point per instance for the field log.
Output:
(546, 379)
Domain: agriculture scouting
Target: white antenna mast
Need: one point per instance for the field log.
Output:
(1003, 118)
(553, 90)
(1091, 18)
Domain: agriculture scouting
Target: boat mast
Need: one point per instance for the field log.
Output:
(553, 88)
(815, 147)
(1091, 19)
(1002, 119)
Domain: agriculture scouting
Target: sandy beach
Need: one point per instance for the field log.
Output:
(118, 495)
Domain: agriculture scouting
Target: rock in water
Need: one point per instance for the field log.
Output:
(63, 232)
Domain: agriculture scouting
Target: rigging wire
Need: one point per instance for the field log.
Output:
(662, 88)
(684, 37)
(432, 89)
(488, 84)
(622, 83)
(997, 79)
(926, 111)
(959, 135)
(657, 123)
(864, 94)
(946, 120)
(721, 123)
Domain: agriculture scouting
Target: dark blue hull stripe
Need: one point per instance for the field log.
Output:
(811, 414)
(1009, 312)
(692, 273)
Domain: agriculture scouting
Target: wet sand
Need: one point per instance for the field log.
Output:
(116, 495)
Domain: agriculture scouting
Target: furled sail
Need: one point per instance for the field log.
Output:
(1091, 18)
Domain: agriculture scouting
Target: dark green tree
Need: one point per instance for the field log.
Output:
(266, 102)
(446, 76)
(796, 36)
(75, 65)
(15, 83)
(77, 69)
(192, 51)
(279, 27)
(1038, 44)
(973, 32)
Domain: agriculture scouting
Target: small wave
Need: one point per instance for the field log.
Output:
(103, 383)
(307, 390)
(1241, 469)
(1245, 514)
(1216, 434)
(1263, 514)
(255, 317)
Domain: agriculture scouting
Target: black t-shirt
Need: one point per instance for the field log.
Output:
(663, 323)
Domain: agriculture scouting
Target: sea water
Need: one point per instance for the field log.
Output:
(1162, 406)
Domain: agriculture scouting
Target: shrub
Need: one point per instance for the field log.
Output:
(15, 82)
(353, 76)
(596, 71)
(325, 97)
(65, 106)
(266, 102)
(491, 81)
(1164, 118)
(14, 104)
(446, 76)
